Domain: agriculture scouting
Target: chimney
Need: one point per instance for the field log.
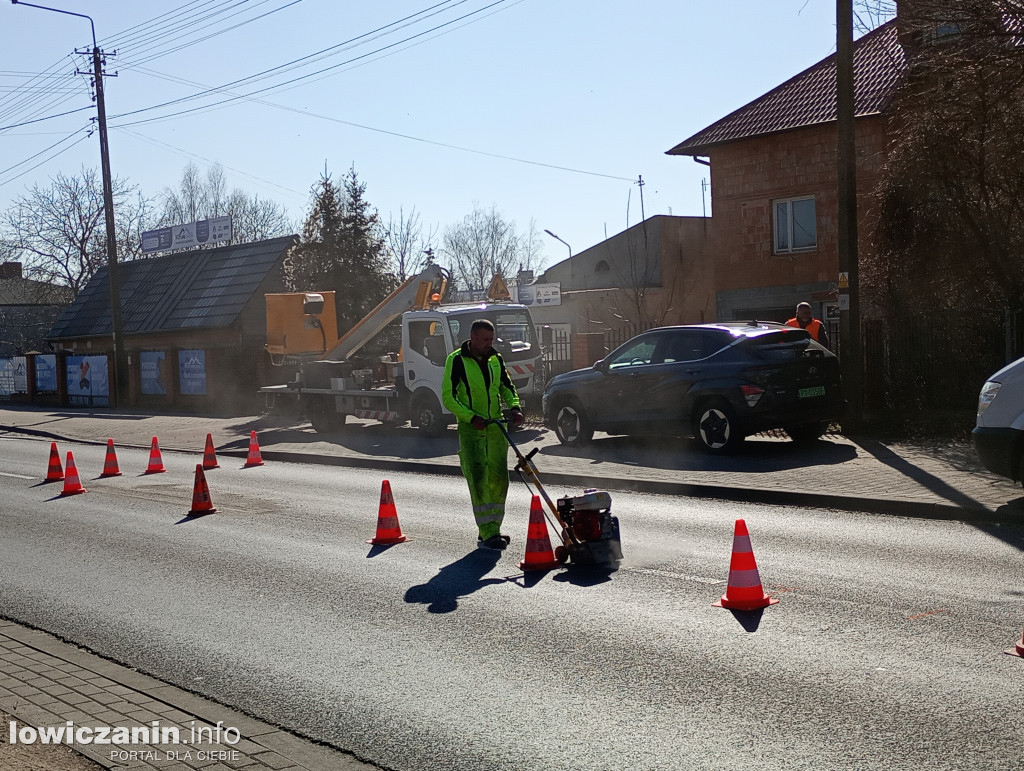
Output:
(10, 270)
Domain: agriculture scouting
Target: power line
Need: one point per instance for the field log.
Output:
(45, 160)
(39, 120)
(285, 83)
(160, 54)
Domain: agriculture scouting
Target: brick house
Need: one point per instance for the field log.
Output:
(773, 230)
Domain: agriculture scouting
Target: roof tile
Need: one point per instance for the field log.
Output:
(810, 97)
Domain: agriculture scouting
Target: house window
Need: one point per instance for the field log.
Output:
(795, 226)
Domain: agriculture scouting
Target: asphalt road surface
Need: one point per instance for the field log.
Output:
(884, 652)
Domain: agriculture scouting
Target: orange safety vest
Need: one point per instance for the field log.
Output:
(813, 328)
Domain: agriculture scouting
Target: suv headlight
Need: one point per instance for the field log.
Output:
(988, 393)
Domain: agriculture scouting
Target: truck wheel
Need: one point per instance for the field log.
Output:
(323, 417)
(715, 427)
(427, 415)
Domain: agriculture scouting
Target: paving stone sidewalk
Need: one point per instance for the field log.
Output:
(48, 684)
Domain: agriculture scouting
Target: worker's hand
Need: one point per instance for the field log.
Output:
(478, 423)
(518, 418)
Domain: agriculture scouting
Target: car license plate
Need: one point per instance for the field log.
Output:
(805, 393)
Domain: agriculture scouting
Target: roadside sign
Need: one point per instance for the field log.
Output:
(211, 231)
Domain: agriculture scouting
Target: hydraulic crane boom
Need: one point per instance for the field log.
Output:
(414, 294)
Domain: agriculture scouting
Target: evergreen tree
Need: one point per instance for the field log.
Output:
(342, 249)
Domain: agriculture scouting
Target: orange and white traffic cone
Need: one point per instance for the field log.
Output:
(55, 472)
(388, 529)
(254, 459)
(72, 484)
(156, 461)
(539, 555)
(201, 501)
(110, 468)
(744, 591)
(209, 455)
(1018, 649)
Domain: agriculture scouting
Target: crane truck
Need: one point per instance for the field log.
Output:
(334, 381)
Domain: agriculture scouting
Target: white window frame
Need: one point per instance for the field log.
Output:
(787, 227)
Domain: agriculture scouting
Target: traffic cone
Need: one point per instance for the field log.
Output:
(156, 461)
(55, 472)
(539, 555)
(201, 503)
(209, 456)
(72, 484)
(254, 459)
(744, 591)
(388, 529)
(110, 468)
(1017, 650)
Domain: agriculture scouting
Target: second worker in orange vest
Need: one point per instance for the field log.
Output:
(805, 320)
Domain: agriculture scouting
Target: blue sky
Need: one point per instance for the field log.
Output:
(598, 89)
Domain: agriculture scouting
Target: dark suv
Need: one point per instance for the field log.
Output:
(716, 382)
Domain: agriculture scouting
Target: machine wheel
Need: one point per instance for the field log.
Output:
(715, 427)
(804, 433)
(562, 554)
(427, 415)
(323, 417)
(571, 425)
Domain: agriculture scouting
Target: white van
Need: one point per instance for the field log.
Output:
(999, 431)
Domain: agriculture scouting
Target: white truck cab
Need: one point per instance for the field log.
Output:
(999, 431)
(428, 336)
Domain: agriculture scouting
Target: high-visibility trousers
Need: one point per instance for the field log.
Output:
(483, 456)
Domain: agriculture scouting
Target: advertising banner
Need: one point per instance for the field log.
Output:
(20, 375)
(211, 231)
(87, 380)
(192, 372)
(46, 373)
(6, 377)
(154, 372)
(538, 294)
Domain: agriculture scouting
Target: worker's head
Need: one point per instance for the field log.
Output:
(803, 313)
(481, 337)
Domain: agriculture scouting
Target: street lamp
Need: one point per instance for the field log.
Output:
(559, 239)
(117, 331)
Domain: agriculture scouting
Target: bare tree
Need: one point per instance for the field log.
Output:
(482, 246)
(58, 233)
(198, 198)
(410, 248)
(256, 219)
(951, 203)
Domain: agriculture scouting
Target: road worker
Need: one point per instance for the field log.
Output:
(805, 320)
(475, 384)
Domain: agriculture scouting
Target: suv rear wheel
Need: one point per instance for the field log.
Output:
(715, 427)
(571, 425)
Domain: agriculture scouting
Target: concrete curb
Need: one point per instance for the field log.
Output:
(904, 508)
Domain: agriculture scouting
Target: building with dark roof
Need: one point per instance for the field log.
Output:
(773, 162)
(27, 310)
(194, 325)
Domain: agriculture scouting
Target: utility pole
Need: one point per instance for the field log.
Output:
(119, 395)
(850, 352)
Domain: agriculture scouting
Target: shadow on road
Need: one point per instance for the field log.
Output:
(461, 578)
